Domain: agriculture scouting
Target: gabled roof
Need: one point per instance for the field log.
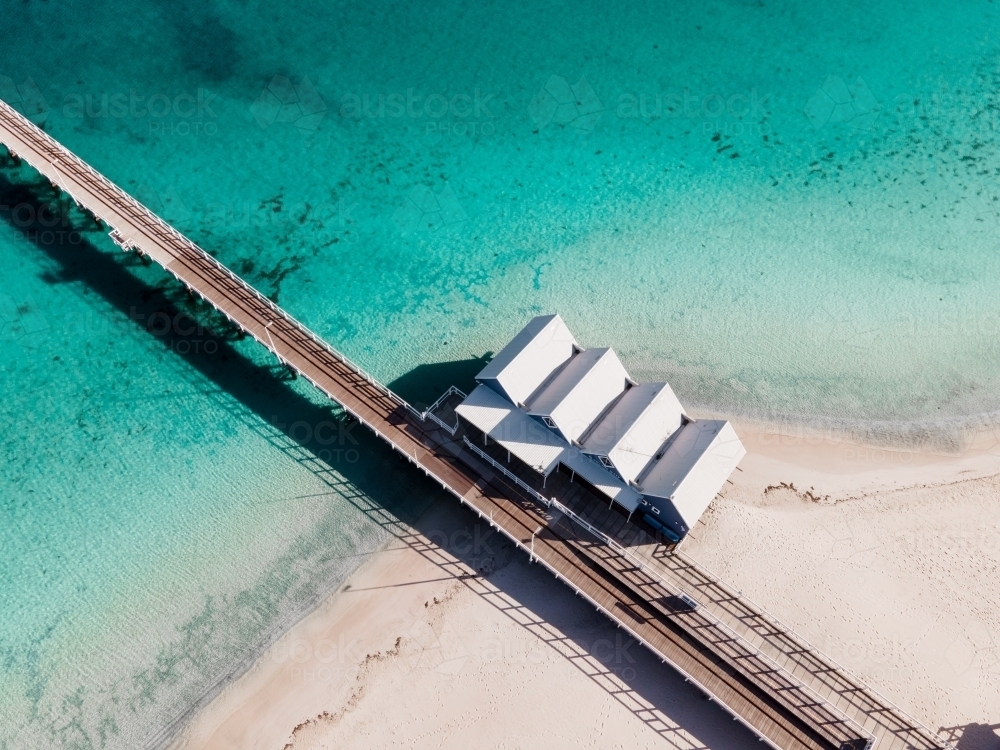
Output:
(578, 394)
(536, 445)
(695, 465)
(523, 436)
(542, 346)
(632, 432)
(632, 442)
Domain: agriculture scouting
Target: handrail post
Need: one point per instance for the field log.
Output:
(273, 347)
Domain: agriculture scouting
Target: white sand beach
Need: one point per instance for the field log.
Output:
(887, 561)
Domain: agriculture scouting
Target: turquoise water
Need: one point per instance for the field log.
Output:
(788, 212)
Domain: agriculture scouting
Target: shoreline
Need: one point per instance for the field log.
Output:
(828, 535)
(828, 467)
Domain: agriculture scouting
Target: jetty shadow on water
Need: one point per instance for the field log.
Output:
(424, 384)
(380, 483)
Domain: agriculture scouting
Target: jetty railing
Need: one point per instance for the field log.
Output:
(428, 413)
(507, 472)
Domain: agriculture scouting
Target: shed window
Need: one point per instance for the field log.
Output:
(549, 422)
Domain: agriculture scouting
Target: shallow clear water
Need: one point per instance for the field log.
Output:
(786, 211)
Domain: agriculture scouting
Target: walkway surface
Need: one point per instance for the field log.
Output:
(789, 694)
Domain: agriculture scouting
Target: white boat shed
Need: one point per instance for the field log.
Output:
(549, 401)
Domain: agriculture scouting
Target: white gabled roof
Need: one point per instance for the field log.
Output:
(583, 389)
(523, 436)
(536, 445)
(627, 440)
(696, 464)
(542, 346)
(635, 428)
